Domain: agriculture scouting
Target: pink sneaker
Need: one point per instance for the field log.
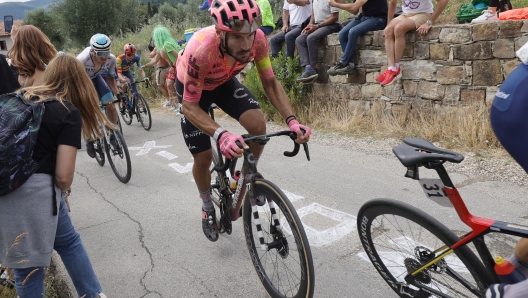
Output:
(382, 76)
(391, 77)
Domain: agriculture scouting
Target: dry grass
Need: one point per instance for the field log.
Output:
(463, 128)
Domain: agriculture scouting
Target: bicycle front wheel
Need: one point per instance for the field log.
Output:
(118, 157)
(143, 112)
(284, 265)
(99, 152)
(399, 238)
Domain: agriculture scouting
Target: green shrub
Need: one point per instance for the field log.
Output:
(286, 71)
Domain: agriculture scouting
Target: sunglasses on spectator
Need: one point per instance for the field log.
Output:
(102, 54)
(244, 26)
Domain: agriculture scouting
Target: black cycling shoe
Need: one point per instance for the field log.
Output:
(209, 225)
(261, 200)
(113, 142)
(90, 149)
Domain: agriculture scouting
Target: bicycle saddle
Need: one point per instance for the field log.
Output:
(415, 151)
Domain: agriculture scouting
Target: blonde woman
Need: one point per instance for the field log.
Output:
(31, 52)
(38, 209)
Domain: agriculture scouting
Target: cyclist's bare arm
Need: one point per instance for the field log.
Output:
(278, 98)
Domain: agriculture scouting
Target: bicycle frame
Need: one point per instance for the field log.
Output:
(479, 228)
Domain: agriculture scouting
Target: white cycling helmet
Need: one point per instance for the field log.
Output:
(100, 42)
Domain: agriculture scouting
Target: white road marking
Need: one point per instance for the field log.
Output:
(146, 148)
(293, 197)
(346, 224)
(181, 169)
(167, 155)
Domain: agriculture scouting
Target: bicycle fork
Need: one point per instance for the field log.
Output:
(275, 228)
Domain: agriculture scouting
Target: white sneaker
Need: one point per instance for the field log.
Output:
(167, 104)
(487, 16)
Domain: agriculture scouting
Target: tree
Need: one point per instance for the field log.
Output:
(80, 19)
(46, 23)
(149, 11)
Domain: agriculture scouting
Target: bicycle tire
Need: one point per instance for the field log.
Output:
(285, 271)
(127, 114)
(143, 112)
(119, 158)
(99, 152)
(384, 217)
(119, 125)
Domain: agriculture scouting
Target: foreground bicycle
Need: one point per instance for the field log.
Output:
(116, 151)
(136, 104)
(416, 254)
(275, 236)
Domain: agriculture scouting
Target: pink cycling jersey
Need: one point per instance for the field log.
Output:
(203, 66)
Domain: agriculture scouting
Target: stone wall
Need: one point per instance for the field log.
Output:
(452, 64)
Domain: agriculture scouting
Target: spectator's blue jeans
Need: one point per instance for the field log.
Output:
(278, 39)
(349, 35)
(69, 246)
(130, 76)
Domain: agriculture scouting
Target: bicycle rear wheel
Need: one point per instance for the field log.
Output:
(286, 267)
(143, 112)
(126, 113)
(119, 158)
(398, 239)
(99, 152)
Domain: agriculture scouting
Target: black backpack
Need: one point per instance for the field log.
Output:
(19, 126)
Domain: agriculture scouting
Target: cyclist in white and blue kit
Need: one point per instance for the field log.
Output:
(100, 66)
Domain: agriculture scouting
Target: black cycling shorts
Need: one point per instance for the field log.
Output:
(232, 97)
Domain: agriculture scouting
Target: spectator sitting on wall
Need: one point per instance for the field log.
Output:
(324, 21)
(300, 10)
(417, 15)
(491, 14)
(373, 17)
(268, 25)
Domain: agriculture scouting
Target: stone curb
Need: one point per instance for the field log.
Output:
(63, 284)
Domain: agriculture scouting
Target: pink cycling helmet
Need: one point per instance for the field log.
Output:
(240, 16)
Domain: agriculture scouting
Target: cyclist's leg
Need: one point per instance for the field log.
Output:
(129, 75)
(199, 145)
(161, 80)
(238, 102)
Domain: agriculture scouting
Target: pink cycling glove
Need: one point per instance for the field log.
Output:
(227, 143)
(295, 126)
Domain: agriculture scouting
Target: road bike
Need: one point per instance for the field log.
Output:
(274, 234)
(116, 151)
(416, 254)
(136, 104)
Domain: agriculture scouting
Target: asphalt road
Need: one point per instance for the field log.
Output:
(145, 238)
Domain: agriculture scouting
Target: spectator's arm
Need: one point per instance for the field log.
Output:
(299, 2)
(392, 10)
(440, 6)
(334, 18)
(352, 8)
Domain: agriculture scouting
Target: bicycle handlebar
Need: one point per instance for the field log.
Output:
(263, 139)
(147, 82)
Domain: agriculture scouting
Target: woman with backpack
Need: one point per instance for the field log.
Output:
(34, 217)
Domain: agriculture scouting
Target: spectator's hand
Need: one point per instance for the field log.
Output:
(143, 66)
(296, 127)
(228, 145)
(423, 29)
(332, 3)
(309, 29)
(285, 29)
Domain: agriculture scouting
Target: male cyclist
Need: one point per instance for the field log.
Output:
(206, 75)
(100, 66)
(124, 61)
